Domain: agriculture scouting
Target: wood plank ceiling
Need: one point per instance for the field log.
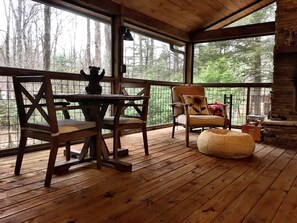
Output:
(180, 19)
(194, 15)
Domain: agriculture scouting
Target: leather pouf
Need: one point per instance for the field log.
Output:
(226, 143)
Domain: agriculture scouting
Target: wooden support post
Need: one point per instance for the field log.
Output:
(188, 68)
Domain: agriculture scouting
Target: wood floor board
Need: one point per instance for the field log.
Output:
(188, 190)
(244, 203)
(143, 190)
(170, 168)
(201, 206)
(143, 195)
(155, 187)
(220, 202)
(173, 184)
(266, 207)
(287, 212)
(157, 209)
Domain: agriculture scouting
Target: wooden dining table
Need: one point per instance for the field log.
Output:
(94, 107)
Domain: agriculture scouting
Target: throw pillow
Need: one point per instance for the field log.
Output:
(197, 104)
(216, 109)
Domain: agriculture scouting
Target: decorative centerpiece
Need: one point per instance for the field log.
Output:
(94, 78)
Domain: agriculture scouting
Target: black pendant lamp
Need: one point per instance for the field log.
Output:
(125, 33)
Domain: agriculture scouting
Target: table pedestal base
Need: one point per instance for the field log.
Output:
(117, 164)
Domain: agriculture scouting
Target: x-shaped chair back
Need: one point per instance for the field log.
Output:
(134, 108)
(30, 104)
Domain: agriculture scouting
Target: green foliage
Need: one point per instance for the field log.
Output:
(239, 60)
(150, 59)
(63, 64)
(218, 71)
(8, 113)
(159, 106)
(266, 14)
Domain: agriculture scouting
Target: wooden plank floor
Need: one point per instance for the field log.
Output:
(173, 184)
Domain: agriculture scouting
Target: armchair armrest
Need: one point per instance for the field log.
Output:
(224, 105)
(181, 105)
(177, 104)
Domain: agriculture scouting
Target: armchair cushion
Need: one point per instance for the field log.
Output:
(202, 120)
(197, 104)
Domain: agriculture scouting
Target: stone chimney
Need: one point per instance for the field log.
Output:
(283, 102)
(283, 118)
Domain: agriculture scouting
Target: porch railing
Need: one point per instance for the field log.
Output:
(247, 99)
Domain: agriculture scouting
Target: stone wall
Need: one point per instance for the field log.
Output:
(284, 90)
(280, 131)
(283, 101)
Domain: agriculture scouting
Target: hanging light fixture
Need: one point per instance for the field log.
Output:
(125, 32)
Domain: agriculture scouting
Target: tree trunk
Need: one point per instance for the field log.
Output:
(19, 46)
(88, 49)
(47, 38)
(140, 56)
(107, 44)
(97, 60)
(151, 52)
(257, 78)
(7, 37)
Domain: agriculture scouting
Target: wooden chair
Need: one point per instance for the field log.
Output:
(130, 115)
(38, 120)
(190, 110)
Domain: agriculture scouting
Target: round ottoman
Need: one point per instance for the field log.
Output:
(226, 143)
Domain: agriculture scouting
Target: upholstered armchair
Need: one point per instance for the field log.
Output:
(190, 110)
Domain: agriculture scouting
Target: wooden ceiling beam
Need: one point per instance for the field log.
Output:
(155, 25)
(105, 7)
(109, 8)
(261, 29)
(236, 15)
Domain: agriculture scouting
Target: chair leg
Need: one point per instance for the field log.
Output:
(173, 130)
(144, 134)
(187, 136)
(20, 155)
(68, 152)
(225, 126)
(98, 151)
(119, 140)
(116, 142)
(51, 163)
